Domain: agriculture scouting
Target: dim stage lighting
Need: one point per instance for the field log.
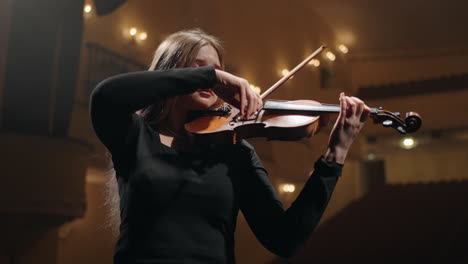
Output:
(343, 49)
(257, 89)
(408, 143)
(287, 188)
(143, 36)
(331, 56)
(87, 8)
(314, 62)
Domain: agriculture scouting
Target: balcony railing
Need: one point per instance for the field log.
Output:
(103, 63)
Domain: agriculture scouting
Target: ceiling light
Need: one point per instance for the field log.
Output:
(331, 56)
(143, 36)
(408, 143)
(257, 89)
(87, 8)
(343, 48)
(288, 188)
(314, 62)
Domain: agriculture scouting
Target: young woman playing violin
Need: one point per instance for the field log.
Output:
(179, 200)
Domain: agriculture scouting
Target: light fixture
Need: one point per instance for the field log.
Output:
(87, 8)
(256, 88)
(408, 143)
(371, 156)
(287, 188)
(135, 36)
(314, 62)
(143, 36)
(331, 56)
(343, 48)
(284, 72)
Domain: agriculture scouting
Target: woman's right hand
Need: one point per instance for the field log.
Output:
(237, 92)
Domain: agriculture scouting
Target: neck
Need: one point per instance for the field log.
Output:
(173, 133)
(174, 122)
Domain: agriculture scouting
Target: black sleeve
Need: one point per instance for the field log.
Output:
(114, 100)
(283, 232)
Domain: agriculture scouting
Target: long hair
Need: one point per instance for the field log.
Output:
(178, 50)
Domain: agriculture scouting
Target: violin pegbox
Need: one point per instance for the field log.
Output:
(223, 110)
(410, 124)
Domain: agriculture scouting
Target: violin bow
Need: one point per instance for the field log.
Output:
(292, 72)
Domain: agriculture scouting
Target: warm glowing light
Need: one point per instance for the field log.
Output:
(331, 56)
(408, 143)
(288, 188)
(284, 72)
(314, 62)
(87, 8)
(143, 36)
(343, 48)
(133, 31)
(256, 88)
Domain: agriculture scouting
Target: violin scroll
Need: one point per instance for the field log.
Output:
(413, 121)
(410, 124)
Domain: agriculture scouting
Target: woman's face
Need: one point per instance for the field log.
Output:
(201, 98)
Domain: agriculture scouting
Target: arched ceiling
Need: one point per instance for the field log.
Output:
(378, 27)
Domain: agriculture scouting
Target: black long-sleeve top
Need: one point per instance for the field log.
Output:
(181, 207)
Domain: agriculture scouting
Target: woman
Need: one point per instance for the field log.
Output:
(179, 200)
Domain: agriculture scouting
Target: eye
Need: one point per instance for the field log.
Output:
(194, 64)
(200, 62)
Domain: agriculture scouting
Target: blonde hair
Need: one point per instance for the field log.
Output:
(178, 50)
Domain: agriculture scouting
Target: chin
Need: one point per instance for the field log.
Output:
(199, 102)
(200, 105)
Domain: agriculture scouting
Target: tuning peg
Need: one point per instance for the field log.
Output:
(401, 130)
(387, 123)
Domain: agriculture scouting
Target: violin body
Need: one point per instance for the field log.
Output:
(272, 124)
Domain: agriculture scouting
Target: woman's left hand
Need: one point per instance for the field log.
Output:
(350, 121)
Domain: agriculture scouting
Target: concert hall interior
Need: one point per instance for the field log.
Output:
(400, 199)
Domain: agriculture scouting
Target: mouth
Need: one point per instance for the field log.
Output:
(205, 92)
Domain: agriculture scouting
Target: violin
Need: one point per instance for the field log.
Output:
(284, 120)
